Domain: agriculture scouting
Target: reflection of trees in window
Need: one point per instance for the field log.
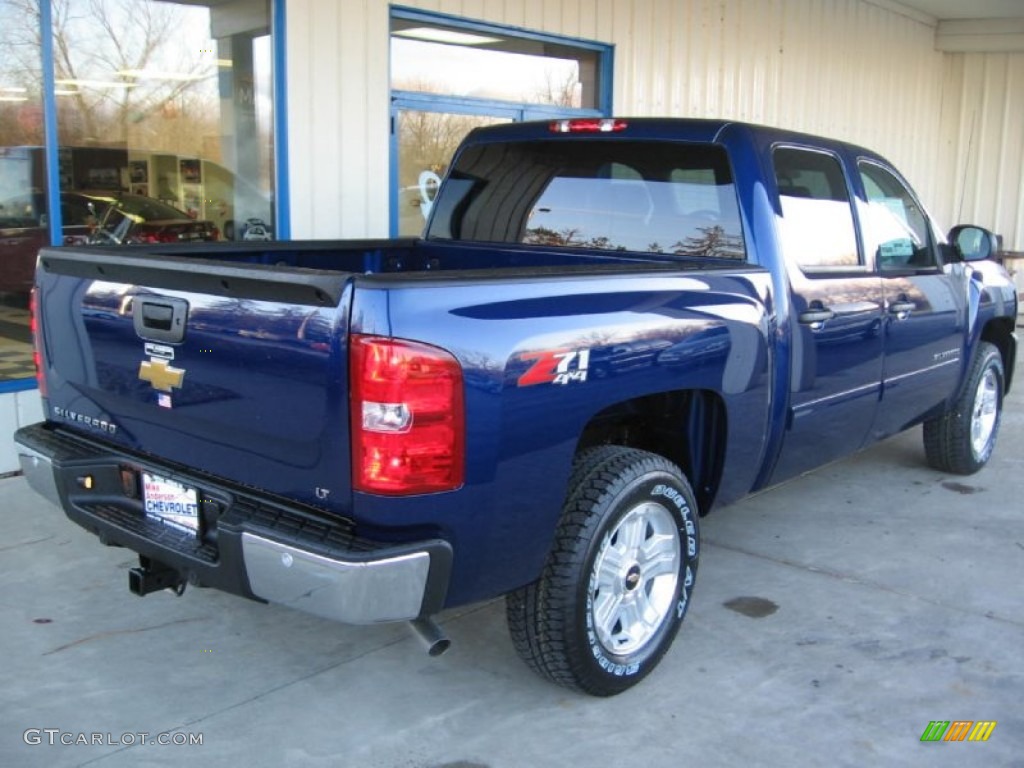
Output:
(427, 140)
(712, 241)
(570, 237)
(561, 86)
(545, 236)
(102, 52)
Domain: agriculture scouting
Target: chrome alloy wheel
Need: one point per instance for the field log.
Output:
(633, 584)
(985, 413)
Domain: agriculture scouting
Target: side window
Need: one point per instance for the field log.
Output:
(76, 213)
(895, 228)
(816, 226)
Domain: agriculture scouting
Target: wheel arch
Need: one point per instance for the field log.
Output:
(687, 427)
(999, 332)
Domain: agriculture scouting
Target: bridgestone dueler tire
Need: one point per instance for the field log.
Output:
(948, 439)
(616, 496)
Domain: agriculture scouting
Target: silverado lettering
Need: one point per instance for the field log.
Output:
(101, 424)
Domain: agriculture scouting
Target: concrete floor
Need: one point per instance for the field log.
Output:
(882, 596)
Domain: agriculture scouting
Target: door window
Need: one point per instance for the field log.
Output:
(816, 226)
(896, 229)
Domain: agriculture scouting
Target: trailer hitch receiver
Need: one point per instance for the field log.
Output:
(152, 576)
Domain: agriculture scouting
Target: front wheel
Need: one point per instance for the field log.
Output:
(618, 581)
(961, 439)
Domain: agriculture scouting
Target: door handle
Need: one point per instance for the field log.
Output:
(816, 316)
(901, 309)
(158, 318)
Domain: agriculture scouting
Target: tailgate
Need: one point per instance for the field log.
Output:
(231, 368)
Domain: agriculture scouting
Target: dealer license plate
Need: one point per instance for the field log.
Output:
(171, 503)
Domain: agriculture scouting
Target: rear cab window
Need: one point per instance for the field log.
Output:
(647, 197)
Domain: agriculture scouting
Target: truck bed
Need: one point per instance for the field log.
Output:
(263, 400)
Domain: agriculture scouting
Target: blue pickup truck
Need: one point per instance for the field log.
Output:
(608, 327)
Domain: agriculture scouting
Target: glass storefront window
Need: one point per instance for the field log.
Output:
(167, 104)
(23, 223)
(156, 103)
(434, 58)
(426, 143)
(449, 76)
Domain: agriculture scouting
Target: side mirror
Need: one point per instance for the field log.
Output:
(973, 243)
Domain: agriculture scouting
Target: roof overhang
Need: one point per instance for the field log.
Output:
(980, 36)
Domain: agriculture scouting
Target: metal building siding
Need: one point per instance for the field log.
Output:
(850, 69)
(843, 68)
(338, 117)
(986, 142)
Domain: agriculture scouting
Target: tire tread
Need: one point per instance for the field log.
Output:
(947, 437)
(536, 613)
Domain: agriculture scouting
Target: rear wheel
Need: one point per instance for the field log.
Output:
(618, 580)
(961, 440)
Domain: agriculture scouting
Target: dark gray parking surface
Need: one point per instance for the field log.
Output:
(833, 619)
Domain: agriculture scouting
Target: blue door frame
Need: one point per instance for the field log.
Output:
(424, 102)
(462, 105)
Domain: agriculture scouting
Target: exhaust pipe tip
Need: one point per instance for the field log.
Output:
(434, 640)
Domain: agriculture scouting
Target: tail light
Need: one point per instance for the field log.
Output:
(37, 340)
(588, 125)
(408, 417)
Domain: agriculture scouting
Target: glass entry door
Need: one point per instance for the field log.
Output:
(450, 75)
(426, 141)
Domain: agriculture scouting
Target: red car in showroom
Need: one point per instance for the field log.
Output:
(99, 218)
(133, 219)
(24, 229)
(87, 218)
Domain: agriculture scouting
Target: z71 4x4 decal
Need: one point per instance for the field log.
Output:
(555, 366)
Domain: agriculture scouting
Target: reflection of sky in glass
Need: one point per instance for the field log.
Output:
(145, 75)
(457, 70)
(818, 233)
(188, 49)
(888, 227)
(108, 47)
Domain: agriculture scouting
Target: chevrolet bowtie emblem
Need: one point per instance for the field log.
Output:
(161, 375)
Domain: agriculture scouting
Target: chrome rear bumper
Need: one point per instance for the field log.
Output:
(256, 546)
(38, 471)
(364, 592)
